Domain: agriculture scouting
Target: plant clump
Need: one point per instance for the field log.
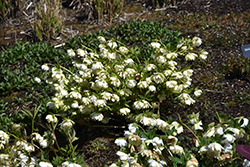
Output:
(48, 23)
(110, 83)
(159, 143)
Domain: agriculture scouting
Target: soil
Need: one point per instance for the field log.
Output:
(221, 93)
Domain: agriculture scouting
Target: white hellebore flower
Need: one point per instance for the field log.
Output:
(81, 52)
(214, 149)
(43, 142)
(167, 72)
(172, 140)
(142, 84)
(115, 98)
(129, 61)
(67, 124)
(158, 78)
(197, 126)
(97, 66)
(149, 80)
(162, 125)
(155, 45)
(177, 75)
(112, 44)
(26, 146)
(123, 156)
(123, 50)
(106, 95)
(246, 163)
(45, 67)
(115, 81)
(38, 80)
(35, 136)
(154, 163)
(124, 111)
(4, 158)
(157, 141)
(220, 131)
(203, 55)
(237, 133)
(147, 121)
(111, 56)
(51, 118)
(100, 103)
(228, 138)
(101, 39)
(132, 128)
(177, 127)
(97, 116)
(210, 132)
(26, 161)
(196, 41)
(147, 153)
(113, 165)
(172, 64)
(171, 55)
(146, 104)
(4, 139)
(245, 122)
(186, 99)
(101, 83)
(74, 105)
(175, 149)
(131, 83)
(71, 53)
(192, 162)
(171, 84)
(152, 88)
(197, 93)
(45, 164)
(150, 67)
(129, 72)
(132, 162)
(188, 73)
(121, 142)
(68, 164)
(190, 56)
(16, 128)
(138, 105)
(227, 147)
(203, 149)
(161, 59)
(184, 48)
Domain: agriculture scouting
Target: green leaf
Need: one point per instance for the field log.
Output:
(176, 160)
(57, 161)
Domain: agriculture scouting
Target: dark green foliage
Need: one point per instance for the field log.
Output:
(133, 34)
(21, 64)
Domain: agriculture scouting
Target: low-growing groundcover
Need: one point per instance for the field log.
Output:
(114, 81)
(222, 93)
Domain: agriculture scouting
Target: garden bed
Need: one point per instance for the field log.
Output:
(224, 78)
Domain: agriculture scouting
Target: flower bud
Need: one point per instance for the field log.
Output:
(67, 124)
(134, 140)
(16, 128)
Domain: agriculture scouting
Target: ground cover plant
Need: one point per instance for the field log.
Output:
(225, 90)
